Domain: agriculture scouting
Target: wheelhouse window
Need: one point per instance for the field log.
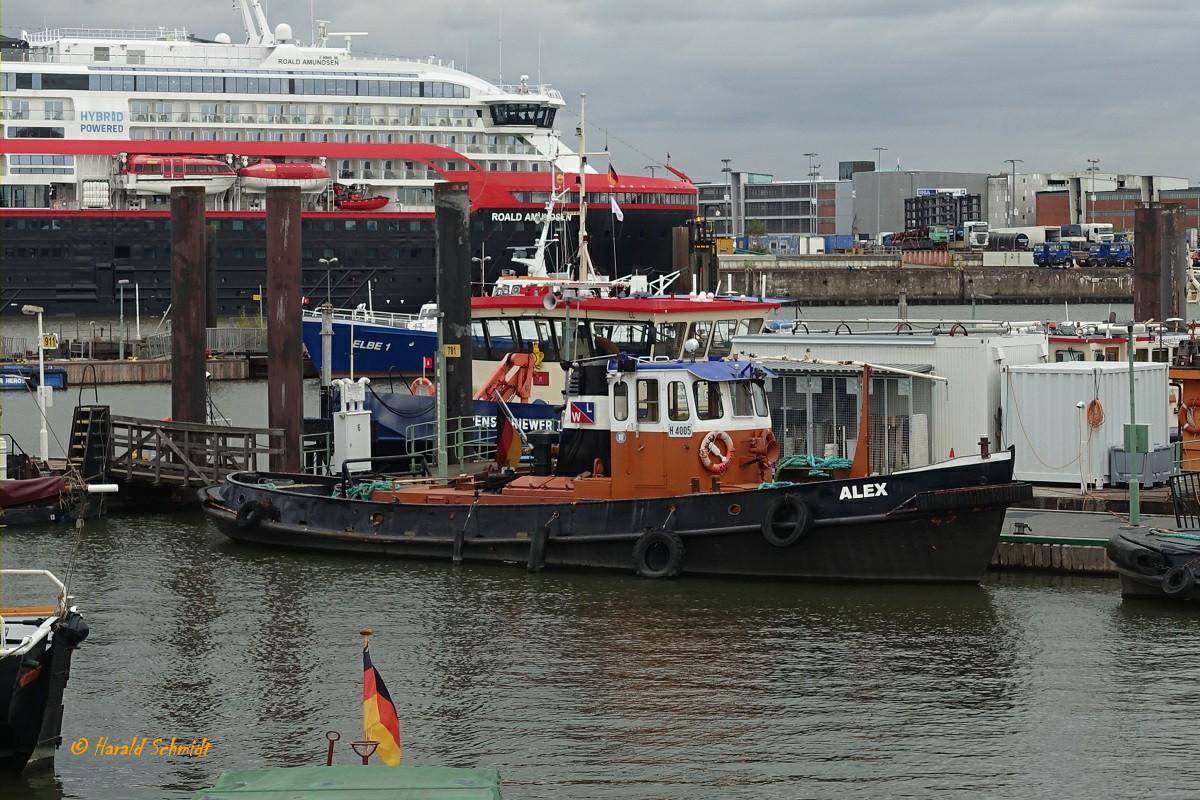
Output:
(760, 400)
(700, 331)
(708, 400)
(722, 339)
(620, 401)
(677, 401)
(743, 401)
(631, 337)
(647, 400)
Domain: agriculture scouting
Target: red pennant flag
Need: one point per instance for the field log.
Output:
(380, 722)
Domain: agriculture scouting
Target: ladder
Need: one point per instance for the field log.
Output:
(88, 448)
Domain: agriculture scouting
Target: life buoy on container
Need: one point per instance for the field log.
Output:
(422, 383)
(1187, 423)
(708, 449)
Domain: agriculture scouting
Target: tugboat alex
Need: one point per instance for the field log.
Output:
(663, 468)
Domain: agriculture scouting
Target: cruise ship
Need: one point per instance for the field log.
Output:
(100, 125)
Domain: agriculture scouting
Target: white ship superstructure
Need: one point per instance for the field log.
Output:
(85, 112)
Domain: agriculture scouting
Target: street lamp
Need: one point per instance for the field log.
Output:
(1012, 197)
(328, 263)
(1092, 162)
(121, 284)
(729, 193)
(43, 437)
(810, 166)
(482, 260)
(878, 190)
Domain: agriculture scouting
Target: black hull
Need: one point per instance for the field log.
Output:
(91, 252)
(1157, 565)
(31, 715)
(924, 530)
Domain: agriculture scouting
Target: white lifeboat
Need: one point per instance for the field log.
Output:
(153, 174)
(266, 173)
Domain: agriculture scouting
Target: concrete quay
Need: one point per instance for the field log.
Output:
(877, 280)
(157, 370)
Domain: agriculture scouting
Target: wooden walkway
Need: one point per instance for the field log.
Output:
(186, 454)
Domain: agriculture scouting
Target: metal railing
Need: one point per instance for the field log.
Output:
(224, 341)
(465, 441)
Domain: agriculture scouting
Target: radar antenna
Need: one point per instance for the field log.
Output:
(349, 35)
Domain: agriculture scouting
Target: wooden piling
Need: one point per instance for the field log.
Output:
(188, 335)
(285, 395)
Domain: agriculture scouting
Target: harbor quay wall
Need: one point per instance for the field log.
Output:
(878, 280)
(85, 372)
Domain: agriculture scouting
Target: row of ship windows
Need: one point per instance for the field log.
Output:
(394, 225)
(622, 198)
(219, 84)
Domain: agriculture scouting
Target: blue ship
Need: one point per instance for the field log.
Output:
(384, 344)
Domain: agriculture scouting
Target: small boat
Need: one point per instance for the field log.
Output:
(350, 200)
(35, 664)
(374, 343)
(20, 377)
(339, 782)
(1156, 562)
(155, 174)
(1160, 562)
(266, 173)
(663, 468)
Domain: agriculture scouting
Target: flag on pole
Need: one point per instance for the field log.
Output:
(508, 441)
(380, 722)
(616, 209)
(612, 176)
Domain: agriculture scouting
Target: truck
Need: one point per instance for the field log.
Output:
(972, 235)
(1053, 254)
(1091, 233)
(1110, 254)
(1035, 233)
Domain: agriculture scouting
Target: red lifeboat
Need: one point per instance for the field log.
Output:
(350, 200)
(265, 173)
(155, 174)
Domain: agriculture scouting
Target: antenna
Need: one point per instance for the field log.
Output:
(322, 32)
(349, 35)
(500, 44)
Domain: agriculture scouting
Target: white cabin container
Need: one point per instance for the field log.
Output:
(963, 409)
(1054, 441)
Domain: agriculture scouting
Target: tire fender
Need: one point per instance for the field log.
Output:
(800, 529)
(658, 554)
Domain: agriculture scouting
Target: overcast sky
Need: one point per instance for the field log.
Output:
(942, 84)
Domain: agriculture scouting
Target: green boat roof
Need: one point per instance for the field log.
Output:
(372, 782)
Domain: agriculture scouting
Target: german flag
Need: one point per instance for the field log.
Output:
(380, 722)
(612, 176)
(508, 441)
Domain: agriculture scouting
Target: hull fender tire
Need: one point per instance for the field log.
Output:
(1178, 582)
(250, 514)
(798, 530)
(658, 554)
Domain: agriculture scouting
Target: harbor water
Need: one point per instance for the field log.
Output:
(587, 685)
(581, 685)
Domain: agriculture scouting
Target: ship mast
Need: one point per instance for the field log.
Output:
(585, 260)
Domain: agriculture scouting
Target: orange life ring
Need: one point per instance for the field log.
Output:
(1185, 416)
(422, 382)
(708, 449)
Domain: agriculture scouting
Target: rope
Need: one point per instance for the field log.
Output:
(1095, 413)
(776, 484)
(817, 466)
(1174, 534)
(362, 491)
(1028, 440)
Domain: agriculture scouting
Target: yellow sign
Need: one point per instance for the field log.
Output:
(538, 356)
(452, 350)
(49, 341)
(257, 297)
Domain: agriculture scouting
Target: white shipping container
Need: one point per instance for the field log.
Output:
(1008, 258)
(964, 409)
(1053, 438)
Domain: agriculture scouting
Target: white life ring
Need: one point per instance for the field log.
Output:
(708, 449)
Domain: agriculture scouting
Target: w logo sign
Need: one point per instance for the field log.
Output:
(583, 413)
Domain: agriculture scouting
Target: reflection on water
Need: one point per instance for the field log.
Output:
(587, 685)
